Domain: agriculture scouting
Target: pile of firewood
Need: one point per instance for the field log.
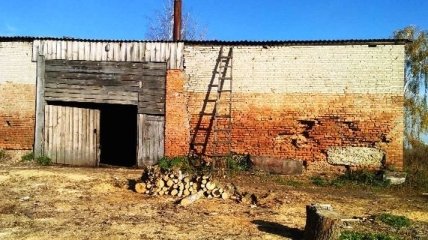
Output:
(155, 181)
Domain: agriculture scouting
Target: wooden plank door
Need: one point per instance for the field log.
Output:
(150, 139)
(72, 135)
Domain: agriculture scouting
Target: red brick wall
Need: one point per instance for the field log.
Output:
(303, 127)
(290, 126)
(176, 124)
(17, 111)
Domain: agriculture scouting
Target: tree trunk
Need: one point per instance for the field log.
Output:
(322, 223)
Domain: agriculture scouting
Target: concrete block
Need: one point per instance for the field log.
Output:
(355, 156)
(278, 165)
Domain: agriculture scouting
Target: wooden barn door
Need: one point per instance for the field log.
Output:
(72, 135)
(150, 139)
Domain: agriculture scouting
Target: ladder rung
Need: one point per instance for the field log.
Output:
(225, 57)
(213, 85)
(225, 78)
(204, 129)
(211, 100)
(198, 144)
(225, 90)
(227, 66)
(206, 114)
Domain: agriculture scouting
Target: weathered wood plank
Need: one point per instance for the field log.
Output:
(54, 76)
(84, 159)
(63, 53)
(90, 137)
(99, 51)
(77, 120)
(101, 94)
(179, 58)
(173, 56)
(97, 137)
(47, 128)
(81, 50)
(100, 65)
(40, 107)
(53, 131)
(82, 84)
(91, 100)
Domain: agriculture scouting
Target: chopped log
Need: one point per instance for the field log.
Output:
(225, 195)
(191, 199)
(169, 183)
(160, 183)
(322, 223)
(210, 185)
(174, 192)
(186, 192)
(140, 187)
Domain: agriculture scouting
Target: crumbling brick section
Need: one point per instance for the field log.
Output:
(304, 127)
(177, 133)
(17, 116)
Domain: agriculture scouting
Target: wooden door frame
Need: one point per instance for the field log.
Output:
(39, 127)
(143, 109)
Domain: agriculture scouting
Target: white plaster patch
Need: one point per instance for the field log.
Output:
(355, 156)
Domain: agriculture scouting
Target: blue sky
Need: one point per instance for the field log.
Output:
(223, 19)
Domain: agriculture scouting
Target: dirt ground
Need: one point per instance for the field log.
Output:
(59, 202)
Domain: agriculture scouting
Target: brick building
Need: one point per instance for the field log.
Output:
(320, 104)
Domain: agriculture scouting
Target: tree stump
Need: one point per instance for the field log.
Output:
(322, 223)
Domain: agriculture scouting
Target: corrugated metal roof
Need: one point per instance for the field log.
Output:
(385, 41)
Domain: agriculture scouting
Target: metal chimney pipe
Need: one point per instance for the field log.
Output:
(176, 35)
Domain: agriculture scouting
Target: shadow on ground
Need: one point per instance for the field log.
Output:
(279, 229)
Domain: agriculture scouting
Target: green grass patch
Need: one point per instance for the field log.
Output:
(28, 157)
(43, 160)
(352, 235)
(394, 220)
(360, 177)
(238, 162)
(320, 181)
(181, 163)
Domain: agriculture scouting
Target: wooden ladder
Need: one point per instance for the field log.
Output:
(216, 111)
(222, 126)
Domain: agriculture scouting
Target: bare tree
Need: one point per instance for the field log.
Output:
(416, 81)
(161, 24)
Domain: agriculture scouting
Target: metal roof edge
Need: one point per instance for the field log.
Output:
(386, 41)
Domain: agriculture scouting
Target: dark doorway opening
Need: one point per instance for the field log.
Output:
(118, 135)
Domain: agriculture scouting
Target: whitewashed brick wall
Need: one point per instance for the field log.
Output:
(303, 69)
(15, 63)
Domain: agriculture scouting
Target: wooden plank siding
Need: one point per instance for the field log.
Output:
(131, 83)
(72, 135)
(169, 52)
(151, 140)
